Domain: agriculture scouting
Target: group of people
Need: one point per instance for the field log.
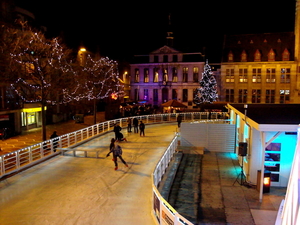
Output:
(136, 126)
(117, 149)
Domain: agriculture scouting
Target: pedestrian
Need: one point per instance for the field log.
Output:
(129, 124)
(117, 130)
(142, 129)
(117, 153)
(179, 119)
(54, 136)
(135, 125)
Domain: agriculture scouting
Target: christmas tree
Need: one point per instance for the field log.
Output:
(207, 93)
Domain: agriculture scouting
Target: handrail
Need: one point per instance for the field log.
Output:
(17, 160)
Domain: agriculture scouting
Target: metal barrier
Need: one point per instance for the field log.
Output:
(25, 157)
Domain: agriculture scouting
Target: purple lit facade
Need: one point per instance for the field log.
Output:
(166, 74)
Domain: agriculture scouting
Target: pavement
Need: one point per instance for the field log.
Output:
(76, 190)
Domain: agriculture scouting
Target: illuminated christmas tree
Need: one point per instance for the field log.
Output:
(207, 93)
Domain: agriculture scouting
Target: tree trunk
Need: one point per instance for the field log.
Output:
(95, 111)
(44, 131)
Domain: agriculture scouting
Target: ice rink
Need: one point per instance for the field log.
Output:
(72, 190)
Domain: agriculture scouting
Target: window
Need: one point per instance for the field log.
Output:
(230, 56)
(156, 58)
(256, 75)
(256, 95)
(195, 74)
(155, 75)
(174, 94)
(243, 95)
(285, 75)
(229, 75)
(244, 56)
(284, 96)
(270, 96)
(285, 55)
(271, 55)
(270, 76)
(146, 96)
(257, 56)
(174, 75)
(136, 94)
(185, 74)
(243, 75)
(185, 95)
(165, 58)
(155, 95)
(146, 75)
(175, 58)
(165, 74)
(229, 95)
(137, 76)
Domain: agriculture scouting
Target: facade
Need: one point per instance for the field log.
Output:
(166, 74)
(261, 68)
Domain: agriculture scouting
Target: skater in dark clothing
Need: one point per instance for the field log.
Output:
(117, 130)
(117, 152)
(121, 137)
(136, 125)
(179, 119)
(142, 129)
(129, 124)
(55, 141)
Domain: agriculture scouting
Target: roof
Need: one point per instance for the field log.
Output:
(288, 114)
(262, 42)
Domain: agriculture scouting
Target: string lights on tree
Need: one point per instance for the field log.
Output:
(207, 93)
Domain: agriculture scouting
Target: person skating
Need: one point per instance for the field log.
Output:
(142, 129)
(135, 125)
(129, 124)
(117, 130)
(117, 153)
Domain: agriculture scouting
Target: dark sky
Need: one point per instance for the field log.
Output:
(121, 29)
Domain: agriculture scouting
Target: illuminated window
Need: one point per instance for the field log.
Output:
(230, 56)
(229, 75)
(174, 74)
(165, 74)
(185, 74)
(146, 96)
(155, 75)
(243, 75)
(284, 96)
(244, 56)
(257, 56)
(285, 55)
(271, 55)
(285, 75)
(137, 76)
(229, 97)
(195, 74)
(270, 96)
(256, 95)
(270, 76)
(243, 95)
(256, 75)
(31, 118)
(146, 75)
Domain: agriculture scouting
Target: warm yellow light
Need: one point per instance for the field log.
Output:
(38, 109)
(82, 50)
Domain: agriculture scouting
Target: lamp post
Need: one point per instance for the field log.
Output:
(82, 56)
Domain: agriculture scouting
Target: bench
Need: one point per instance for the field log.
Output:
(74, 150)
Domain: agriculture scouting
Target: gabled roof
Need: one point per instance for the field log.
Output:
(165, 50)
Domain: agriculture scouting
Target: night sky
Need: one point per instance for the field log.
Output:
(121, 29)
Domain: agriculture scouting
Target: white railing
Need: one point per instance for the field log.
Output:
(289, 210)
(25, 157)
(162, 211)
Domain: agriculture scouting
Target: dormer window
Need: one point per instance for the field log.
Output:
(271, 55)
(244, 56)
(257, 56)
(285, 55)
(230, 56)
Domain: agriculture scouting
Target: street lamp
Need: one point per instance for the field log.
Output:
(82, 56)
